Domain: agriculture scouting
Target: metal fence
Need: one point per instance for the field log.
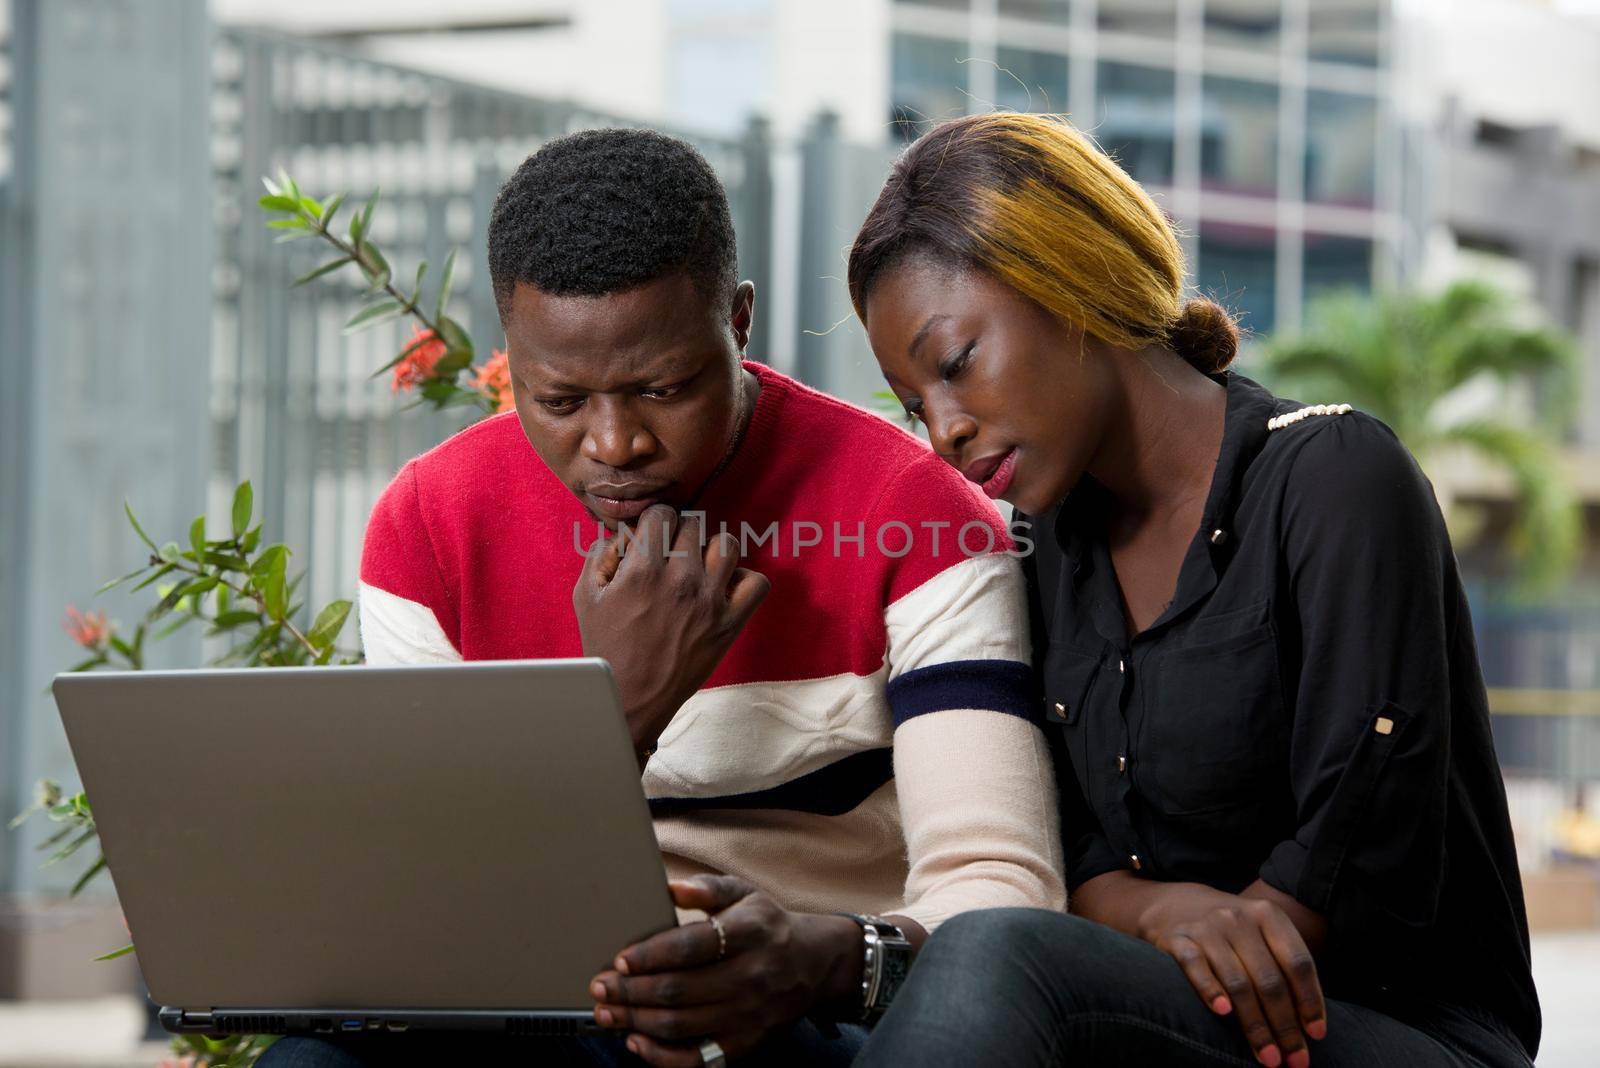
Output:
(293, 406)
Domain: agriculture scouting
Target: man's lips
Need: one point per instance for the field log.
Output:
(622, 502)
(992, 473)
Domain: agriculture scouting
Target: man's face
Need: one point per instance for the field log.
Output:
(632, 398)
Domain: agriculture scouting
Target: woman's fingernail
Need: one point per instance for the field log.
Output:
(1221, 1005)
(606, 1019)
(1300, 1059)
(1270, 1057)
(1317, 1029)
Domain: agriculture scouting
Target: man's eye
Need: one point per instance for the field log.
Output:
(559, 405)
(661, 392)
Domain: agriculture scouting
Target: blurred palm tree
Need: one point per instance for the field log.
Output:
(1404, 356)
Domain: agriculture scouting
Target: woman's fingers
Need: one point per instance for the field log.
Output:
(1272, 992)
(1241, 992)
(1197, 967)
(1293, 956)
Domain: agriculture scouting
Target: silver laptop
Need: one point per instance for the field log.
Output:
(321, 850)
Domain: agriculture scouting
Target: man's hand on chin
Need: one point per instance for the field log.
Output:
(663, 619)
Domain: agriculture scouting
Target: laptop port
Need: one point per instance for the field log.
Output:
(350, 1025)
(323, 1026)
(397, 1025)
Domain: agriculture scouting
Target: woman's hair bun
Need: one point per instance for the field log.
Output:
(1205, 335)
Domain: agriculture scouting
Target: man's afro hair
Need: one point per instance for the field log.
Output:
(603, 211)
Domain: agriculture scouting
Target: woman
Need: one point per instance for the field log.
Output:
(1285, 829)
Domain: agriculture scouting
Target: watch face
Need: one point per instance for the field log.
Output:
(896, 966)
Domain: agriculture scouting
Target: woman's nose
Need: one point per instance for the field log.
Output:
(949, 431)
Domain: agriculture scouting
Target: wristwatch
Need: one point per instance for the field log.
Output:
(885, 964)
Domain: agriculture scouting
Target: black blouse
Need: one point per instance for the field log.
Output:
(1308, 711)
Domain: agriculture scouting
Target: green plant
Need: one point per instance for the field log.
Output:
(1405, 358)
(242, 592)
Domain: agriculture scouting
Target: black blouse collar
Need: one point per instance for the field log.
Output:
(1079, 521)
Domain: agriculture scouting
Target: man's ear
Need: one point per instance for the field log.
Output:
(743, 313)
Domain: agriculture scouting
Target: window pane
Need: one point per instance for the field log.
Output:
(951, 5)
(1039, 10)
(1346, 32)
(1333, 263)
(1037, 80)
(1145, 18)
(1341, 147)
(1239, 136)
(929, 82)
(1250, 24)
(1135, 117)
(1238, 269)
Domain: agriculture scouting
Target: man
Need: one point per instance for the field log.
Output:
(817, 629)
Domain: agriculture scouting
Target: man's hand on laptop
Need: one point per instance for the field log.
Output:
(757, 968)
(663, 611)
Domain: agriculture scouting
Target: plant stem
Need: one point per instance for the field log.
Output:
(199, 572)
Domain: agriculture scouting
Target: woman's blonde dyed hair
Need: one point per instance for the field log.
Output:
(1032, 201)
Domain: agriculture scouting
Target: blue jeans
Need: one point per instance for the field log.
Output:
(803, 1045)
(1029, 987)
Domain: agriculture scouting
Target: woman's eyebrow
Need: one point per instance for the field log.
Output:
(927, 328)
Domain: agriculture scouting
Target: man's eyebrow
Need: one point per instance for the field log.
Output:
(927, 328)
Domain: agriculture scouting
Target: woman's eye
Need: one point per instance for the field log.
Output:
(957, 362)
(559, 405)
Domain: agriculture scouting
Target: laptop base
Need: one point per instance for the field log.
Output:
(218, 1022)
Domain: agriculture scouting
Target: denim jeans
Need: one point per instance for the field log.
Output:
(804, 1045)
(1027, 987)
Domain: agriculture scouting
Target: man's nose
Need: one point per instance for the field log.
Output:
(949, 430)
(615, 436)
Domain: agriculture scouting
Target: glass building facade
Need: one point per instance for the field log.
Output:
(1261, 126)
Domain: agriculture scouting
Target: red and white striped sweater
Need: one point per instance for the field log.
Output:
(869, 743)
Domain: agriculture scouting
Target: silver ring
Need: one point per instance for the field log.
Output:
(722, 950)
(711, 1055)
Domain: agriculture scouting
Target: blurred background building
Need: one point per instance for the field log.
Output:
(150, 343)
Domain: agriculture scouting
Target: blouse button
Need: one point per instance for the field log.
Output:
(1219, 536)
(1122, 764)
(1133, 858)
(1061, 710)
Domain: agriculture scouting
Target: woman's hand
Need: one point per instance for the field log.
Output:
(675, 989)
(1243, 955)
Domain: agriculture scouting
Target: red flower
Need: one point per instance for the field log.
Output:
(88, 629)
(494, 378)
(416, 367)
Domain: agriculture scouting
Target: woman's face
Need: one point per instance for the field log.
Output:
(1013, 398)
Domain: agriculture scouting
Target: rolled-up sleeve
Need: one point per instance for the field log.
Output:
(1372, 581)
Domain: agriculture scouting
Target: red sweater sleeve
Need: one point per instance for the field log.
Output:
(398, 555)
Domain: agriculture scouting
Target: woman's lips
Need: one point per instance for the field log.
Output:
(993, 473)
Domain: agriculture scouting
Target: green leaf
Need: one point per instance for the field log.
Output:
(156, 576)
(197, 538)
(176, 625)
(274, 591)
(137, 529)
(122, 647)
(115, 953)
(310, 207)
(416, 290)
(375, 266)
(366, 213)
(248, 543)
(295, 223)
(329, 622)
(331, 209)
(87, 665)
(237, 617)
(375, 313)
(446, 276)
(268, 559)
(169, 552)
(72, 847)
(114, 583)
(228, 561)
(278, 202)
(83, 880)
(272, 187)
(326, 268)
(455, 336)
(243, 504)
